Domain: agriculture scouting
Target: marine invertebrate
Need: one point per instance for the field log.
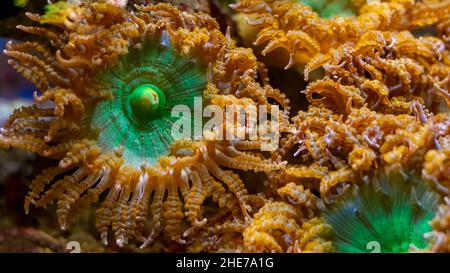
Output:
(381, 68)
(277, 227)
(391, 211)
(347, 148)
(111, 77)
(436, 167)
(440, 236)
(290, 221)
(297, 28)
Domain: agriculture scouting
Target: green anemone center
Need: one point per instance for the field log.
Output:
(146, 85)
(331, 8)
(390, 214)
(146, 102)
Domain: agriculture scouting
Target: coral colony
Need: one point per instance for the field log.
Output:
(365, 165)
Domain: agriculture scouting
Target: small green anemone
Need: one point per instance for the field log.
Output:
(331, 8)
(146, 85)
(389, 214)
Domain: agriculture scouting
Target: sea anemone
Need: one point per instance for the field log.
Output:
(330, 152)
(392, 70)
(440, 236)
(280, 227)
(390, 213)
(109, 81)
(303, 28)
(292, 224)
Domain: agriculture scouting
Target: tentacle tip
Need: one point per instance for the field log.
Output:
(104, 237)
(186, 233)
(202, 222)
(121, 242)
(63, 226)
(146, 243)
(63, 164)
(179, 240)
(234, 6)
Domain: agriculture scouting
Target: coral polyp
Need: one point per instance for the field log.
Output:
(441, 230)
(277, 228)
(112, 78)
(334, 152)
(297, 28)
(389, 214)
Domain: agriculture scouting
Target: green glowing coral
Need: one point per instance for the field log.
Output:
(390, 214)
(146, 85)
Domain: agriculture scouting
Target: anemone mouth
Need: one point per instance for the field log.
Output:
(332, 8)
(389, 214)
(145, 85)
(145, 103)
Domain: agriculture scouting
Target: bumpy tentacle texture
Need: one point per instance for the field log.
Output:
(292, 224)
(109, 81)
(297, 27)
(337, 153)
(437, 167)
(389, 214)
(333, 152)
(440, 236)
(279, 227)
(392, 72)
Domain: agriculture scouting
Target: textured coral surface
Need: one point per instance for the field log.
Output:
(364, 156)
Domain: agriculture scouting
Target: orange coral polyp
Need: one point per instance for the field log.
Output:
(295, 27)
(170, 192)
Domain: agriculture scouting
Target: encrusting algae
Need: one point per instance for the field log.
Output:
(366, 163)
